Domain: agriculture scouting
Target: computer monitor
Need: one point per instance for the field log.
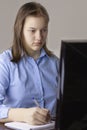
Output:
(72, 107)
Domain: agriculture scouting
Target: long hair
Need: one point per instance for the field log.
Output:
(28, 9)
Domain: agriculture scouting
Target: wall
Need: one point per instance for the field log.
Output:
(68, 20)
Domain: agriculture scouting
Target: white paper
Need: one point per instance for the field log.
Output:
(25, 126)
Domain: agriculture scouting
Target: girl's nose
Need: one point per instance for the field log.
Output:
(38, 35)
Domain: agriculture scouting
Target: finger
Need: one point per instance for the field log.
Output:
(44, 118)
(47, 114)
(48, 117)
(37, 119)
(43, 111)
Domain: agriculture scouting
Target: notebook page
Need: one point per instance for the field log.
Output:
(25, 126)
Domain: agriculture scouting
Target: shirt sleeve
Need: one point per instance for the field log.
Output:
(4, 83)
(3, 111)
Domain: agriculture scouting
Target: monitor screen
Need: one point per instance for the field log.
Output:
(72, 109)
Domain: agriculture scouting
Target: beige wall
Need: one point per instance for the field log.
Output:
(68, 20)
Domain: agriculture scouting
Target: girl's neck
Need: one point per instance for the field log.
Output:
(34, 54)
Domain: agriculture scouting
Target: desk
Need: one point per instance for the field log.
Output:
(2, 127)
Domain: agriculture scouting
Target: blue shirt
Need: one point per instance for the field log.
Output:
(20, 82)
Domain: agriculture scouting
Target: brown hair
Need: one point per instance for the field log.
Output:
(28, 9)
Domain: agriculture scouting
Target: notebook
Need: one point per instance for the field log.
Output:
(25, 126)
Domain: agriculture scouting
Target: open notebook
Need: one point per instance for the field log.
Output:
(25, 126)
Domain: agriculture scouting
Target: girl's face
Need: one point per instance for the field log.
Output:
(35, 33)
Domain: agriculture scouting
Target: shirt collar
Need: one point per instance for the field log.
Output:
(42, 54)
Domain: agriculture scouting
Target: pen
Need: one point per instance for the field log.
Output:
(35, 101)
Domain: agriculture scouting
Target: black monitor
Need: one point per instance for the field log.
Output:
(72, 106)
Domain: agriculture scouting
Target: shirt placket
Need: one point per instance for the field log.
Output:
(38, 84)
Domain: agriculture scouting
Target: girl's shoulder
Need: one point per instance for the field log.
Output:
(6, 55)
(54, 57)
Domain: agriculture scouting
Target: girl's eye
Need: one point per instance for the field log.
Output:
(32, 31)
(44, 30)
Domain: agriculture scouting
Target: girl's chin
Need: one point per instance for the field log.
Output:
(37, 47)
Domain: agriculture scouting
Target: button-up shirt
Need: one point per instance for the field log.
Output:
(20, 82)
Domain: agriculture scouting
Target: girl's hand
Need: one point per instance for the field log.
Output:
(34, 116)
